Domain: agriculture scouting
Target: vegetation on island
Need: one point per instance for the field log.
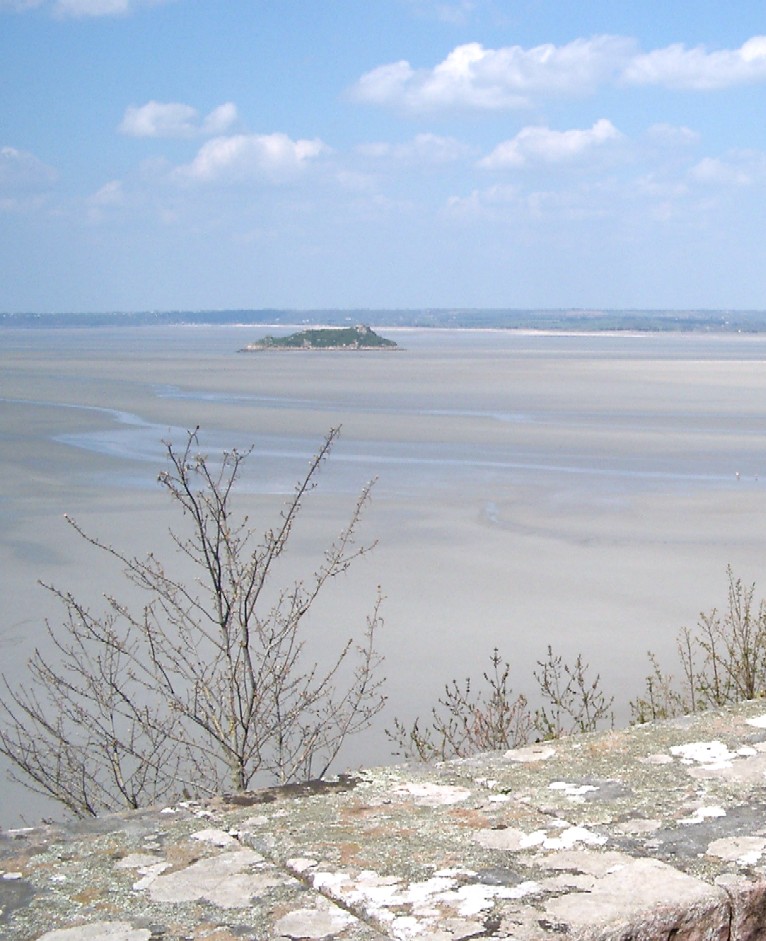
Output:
(360, 337)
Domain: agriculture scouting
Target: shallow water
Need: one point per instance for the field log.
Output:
(582, 491)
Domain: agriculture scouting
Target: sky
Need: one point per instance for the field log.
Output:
(305, 154)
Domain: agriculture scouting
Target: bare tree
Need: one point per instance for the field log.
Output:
(722, 661)
(209, 685)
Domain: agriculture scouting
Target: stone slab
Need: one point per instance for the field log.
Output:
(656, 831)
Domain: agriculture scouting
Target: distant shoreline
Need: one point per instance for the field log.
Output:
(576, 322)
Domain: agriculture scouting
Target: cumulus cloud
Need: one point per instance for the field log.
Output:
(696, 69)
(23, 172)
(474, 77)
(543, 145)
(173, 119)
(245, 158)
(422, 149)
(492, 79)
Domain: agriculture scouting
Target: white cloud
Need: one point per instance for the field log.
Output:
(422, 149)
(484, 202)
(18, 6)
(456, 11)
(220, 119)
(741, 169)
(581, 205)
(672, 134)
(83, 8)
(249, 157)
(543, 145)
(654, 187)
(472, 76)
(387, 84)
(93, 7)
(492, 79)
(697, 69)
(22, 172)
(173, 119)
(354, 181)
(511, 205)
(110, 194)
(80, 8)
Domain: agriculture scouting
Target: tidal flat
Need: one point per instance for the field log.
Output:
(582, 491)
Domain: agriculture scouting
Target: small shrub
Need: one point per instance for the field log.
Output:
(575, 703)
(722, 661)
(466, 721)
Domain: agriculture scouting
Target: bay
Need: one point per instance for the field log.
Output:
(583, 491)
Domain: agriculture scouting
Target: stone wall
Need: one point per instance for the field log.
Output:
(656, 832)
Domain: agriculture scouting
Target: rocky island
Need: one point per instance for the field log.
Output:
(360, 337)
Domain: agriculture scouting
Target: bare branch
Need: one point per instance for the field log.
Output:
(207, 686)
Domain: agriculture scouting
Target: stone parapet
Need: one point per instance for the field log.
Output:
(654, 832)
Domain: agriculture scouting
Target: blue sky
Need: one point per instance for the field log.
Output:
(171, 154)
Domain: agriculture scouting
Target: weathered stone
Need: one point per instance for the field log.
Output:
(655, 832)
(322, 921)
(99, 931)
(616, 896)
(227, 880)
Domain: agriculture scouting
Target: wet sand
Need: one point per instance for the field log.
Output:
(583, 492)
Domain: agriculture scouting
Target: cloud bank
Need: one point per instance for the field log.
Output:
(494, 79)
(473, 77)
(698, 70)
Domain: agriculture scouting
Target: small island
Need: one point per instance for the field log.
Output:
(360, 337)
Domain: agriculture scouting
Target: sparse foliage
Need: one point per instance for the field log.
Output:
(208, 686)
(466, 721)
(572, 702)
(722, 661)
(662, 698)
